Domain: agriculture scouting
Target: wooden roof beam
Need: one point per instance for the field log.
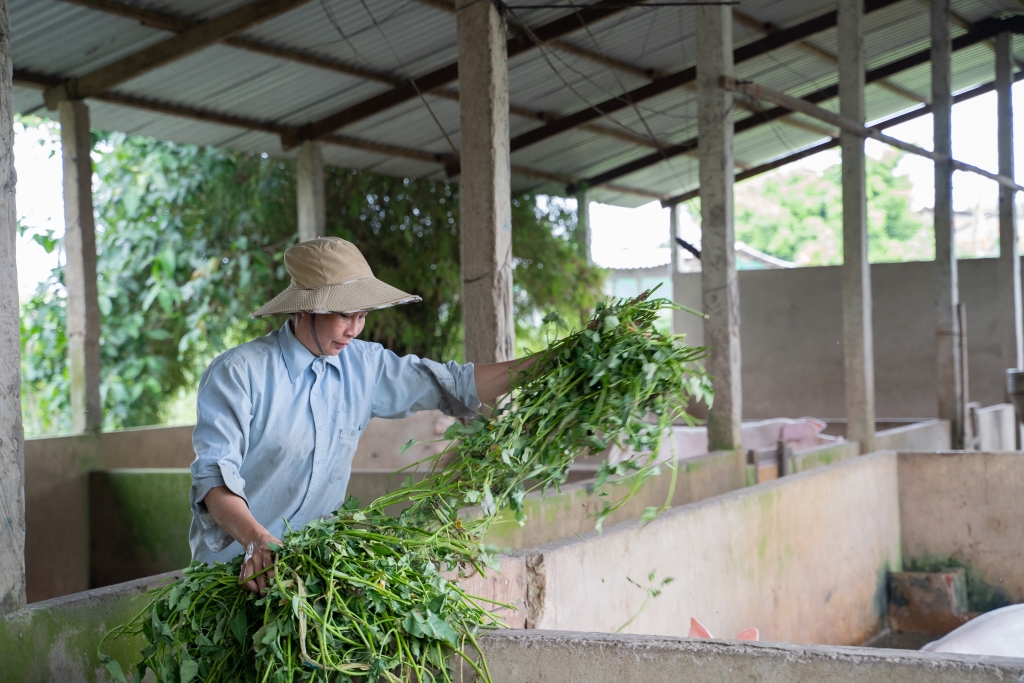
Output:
(983, 30)
(170, 22)
(41, 81)
(811, 151)
(450, 73)
(811, 48)
(659, 86)
(185, 43)
(176, 24)
(646, 73)
(961, 21)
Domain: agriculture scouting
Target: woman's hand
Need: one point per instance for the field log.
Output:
(232, 515)
(257, 558)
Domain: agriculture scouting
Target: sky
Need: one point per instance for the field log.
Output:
(621, 238)
(635, 238)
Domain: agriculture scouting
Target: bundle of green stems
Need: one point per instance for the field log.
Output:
(369, 594)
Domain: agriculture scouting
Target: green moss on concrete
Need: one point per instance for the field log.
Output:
(801, 462)
(574, 510)
(140, 521)
(749, 475)
(57, 640)
(982, 596)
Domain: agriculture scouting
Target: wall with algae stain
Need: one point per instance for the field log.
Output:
(573, 510)
(966, 508)
(55, 641)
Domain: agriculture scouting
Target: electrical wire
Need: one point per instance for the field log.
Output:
(633, 105)
(405, 70)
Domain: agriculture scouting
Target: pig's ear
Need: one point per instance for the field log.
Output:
(698, 630)
(749, 634)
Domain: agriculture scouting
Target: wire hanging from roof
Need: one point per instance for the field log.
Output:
(405, 70)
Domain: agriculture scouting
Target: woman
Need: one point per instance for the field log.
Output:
(279, 418)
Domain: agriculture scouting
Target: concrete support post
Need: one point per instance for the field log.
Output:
(858, 344)
(12, 443)
(947, 333)
(310, 191)
(721, 298)
(1009, 262)
(83, 311)
(673, 265)
(583, 222)
(485, 189)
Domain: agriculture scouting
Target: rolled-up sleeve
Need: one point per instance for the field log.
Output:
(406, 384)
(220, 440)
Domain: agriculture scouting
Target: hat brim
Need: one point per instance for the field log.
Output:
(366, 294)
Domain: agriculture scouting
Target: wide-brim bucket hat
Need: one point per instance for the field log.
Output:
(330, 275)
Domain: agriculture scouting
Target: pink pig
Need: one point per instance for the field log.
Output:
(699, 630)
(999, 632)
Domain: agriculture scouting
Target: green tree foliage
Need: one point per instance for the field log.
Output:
(190, 240)
(797, 215)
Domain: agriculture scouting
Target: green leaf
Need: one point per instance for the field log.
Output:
(441, 629)
(114, 667)
(189, 670)
(238, 625)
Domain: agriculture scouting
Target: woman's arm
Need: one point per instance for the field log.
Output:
(495, 379)
(232, 515)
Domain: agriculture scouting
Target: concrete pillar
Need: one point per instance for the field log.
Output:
(83, 311)
(583, 222)
(485, 189)
(673, 265)
(310, 190)
(721, 297)
(1009, 262)
(948, 376)
(858, 344)
(12, 443)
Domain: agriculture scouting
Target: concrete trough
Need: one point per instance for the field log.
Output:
(804, 558)
(136, 518)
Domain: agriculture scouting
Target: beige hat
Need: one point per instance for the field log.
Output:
(329, 275)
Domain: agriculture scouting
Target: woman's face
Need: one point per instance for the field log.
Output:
(334, 330)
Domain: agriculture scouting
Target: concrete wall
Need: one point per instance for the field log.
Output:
(560, 657)
(55, 641)
(932, 435)
(997, 427)
(138, 523)
(803, 558)
(57, 544)
(139, 520)
(573, 510)
(965, 509)
(791, 332)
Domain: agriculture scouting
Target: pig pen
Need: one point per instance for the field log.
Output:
(808, 559)
(138, 517)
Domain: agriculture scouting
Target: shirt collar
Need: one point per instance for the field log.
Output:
(296, 356)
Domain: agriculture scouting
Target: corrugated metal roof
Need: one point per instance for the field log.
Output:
(53, 40)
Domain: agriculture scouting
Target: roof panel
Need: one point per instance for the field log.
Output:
(57, 38)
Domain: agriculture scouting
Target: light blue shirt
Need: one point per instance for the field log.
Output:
(279, 426)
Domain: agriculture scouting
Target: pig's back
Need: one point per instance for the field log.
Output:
(998, 633)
